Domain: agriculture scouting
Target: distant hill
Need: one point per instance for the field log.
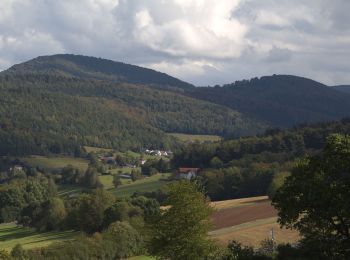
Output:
(62, 102)
(47, 109)
(280, 100)
(85, 67)
(343, 88)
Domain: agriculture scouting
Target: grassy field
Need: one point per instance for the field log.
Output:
(141, 258)
(193, 138)
(90, 149)
(11, 234)
(152, 183)
(54, 163)
(254, 219)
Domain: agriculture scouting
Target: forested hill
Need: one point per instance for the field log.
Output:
(85, 67)
(53, 112)
(343, 88)
(280, 100)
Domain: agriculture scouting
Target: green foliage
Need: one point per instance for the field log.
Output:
(276, 183)
(180, 232)
(121, 211)
(44, 110)
(4, 255)
(127, 240)
(116, 181)
(238, 252)
(18, 252)
(314, 199)
(21, 193)
(234, 182)
(86, 212)
(47, 216)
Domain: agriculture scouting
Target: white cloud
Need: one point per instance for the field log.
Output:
(202, 41)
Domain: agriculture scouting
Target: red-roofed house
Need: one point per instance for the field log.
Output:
(188, 173)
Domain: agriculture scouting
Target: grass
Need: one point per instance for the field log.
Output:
(11, 235)
(54, 163)
(65, 190)
(193, 138)
(90, 149)
(142, 257)
(152, 183)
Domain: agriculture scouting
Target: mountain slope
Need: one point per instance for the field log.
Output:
(49, 111)
(343, 88)
(280, 100)
(85, 67)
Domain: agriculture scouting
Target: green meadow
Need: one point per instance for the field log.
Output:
(11, 235)
(193, 138)
(152, 183)
(55, 162)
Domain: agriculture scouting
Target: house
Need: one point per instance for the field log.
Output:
(188, 173)
(108, 160)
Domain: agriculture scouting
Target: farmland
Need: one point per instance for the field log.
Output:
(192, 138)
(11, 234)
(248, 221)
(152, 183)
(55, 163)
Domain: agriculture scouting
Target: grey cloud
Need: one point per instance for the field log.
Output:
(204, 42)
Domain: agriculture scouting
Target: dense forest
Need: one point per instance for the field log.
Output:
(85, 67)
(252, 166)
(57, 104)
(41, 114)
(280, 100)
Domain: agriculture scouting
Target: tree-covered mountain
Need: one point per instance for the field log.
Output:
(85, 67)
(280, 100)
(343, 88)
(61, 102)
(44, 110)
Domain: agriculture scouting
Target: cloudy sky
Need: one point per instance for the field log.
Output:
(205, 42)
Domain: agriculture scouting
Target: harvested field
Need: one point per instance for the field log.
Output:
(248, 221)
(225, 204)
(237, 215)
(252, 233)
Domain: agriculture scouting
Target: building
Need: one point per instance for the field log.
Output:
(188, 173)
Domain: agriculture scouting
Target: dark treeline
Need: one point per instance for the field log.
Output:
(258, 165)
(279, 100)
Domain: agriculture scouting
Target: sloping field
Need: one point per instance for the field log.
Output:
(193, 138)
(234, 216)
(55, 163)
(252, 233)
(11, 235)
(248, 221)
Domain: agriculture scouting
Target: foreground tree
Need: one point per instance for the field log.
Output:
(180, 232)
(315, 200)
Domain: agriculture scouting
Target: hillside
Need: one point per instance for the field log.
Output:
(85, 67)
(280, 100)
(44, 110)
(343, 88)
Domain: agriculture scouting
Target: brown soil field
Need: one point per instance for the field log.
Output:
(228, 217)
(253, 233)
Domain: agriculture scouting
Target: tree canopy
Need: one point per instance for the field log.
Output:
(315, 199)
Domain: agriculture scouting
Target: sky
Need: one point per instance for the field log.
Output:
(204, 42)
